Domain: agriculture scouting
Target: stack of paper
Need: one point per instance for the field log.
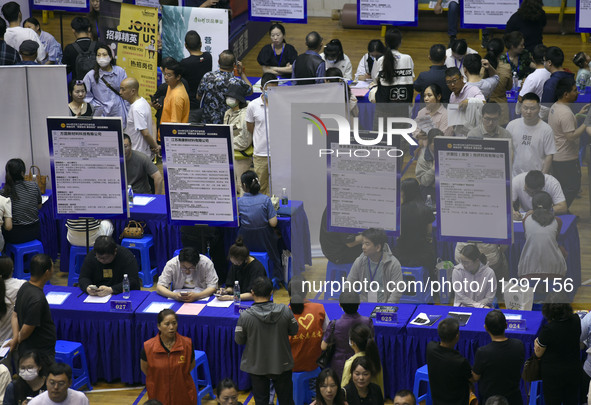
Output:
(156, 307)
(93, 299)
(56, 297)
(219, 304)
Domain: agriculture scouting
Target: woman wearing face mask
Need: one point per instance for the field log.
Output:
(361, 340)
(78, 107)
(361, 390)
(375, 50)
(245, 268)
(235, 116)
(278, 56)
(102, 86)
(335, 57)
(30, 381)
(473, 268)
(227, 392)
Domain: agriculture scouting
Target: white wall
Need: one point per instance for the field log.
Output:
(323, 8)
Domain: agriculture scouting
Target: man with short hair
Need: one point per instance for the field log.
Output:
(534, 82)
(473, 63)
(8, 55)
(533, 139)
(32, 325)
(215, 85)
(176, 104)
(195, 66)
(83, 44)
(489, 126)
(553, 64)
(435, 74)
(104, 267)
(497, 366)
(59, 380)
(405, 397)
(450, 373)
(525, 185)
(310, 63)
(265, 328)
(461, 93)
(15, 34)
(139, 118)
(28, 51)
(469, 100)
(137, 169)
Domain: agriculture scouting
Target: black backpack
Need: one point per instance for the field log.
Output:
(85, 60)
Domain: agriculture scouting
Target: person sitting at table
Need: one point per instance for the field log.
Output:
(257, 220)
(137, 169)
(103, 269)
(7, 296)
(30, 381)
(361, 340)
(227, 392)
(328, 389)
(278, 56)
(335, 57)
(188, 277)
(541, 256)
(336, 72)
(167, 360)
(245, 269)
(375, 50)
(361, 390)
(525, 185)
(472, 268)
(378, 265)
(455, 54)
(78, 228)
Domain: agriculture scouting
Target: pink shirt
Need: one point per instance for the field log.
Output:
(467, 92)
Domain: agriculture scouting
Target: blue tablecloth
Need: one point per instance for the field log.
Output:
(472, 336)
(108, 337)
(49, 231)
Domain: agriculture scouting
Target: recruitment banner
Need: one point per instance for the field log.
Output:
(289, 11)
(210, 23)
(378, 12)
(132, 33)
(583, 13)
(487, 13)
(473, 188)
(87, 167)
(199, 175)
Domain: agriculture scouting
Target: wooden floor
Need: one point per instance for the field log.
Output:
(416, 44)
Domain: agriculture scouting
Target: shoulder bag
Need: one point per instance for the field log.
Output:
(326, 355)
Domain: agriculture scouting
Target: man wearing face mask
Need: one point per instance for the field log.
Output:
(235, 116)
(474, 283)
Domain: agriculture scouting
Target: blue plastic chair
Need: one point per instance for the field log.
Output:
(142, 247)
(422, 375)
(422, 294)
(77, 255)
(335, 272)
(18, 253)
(302, 393)
(263, 257)
(201, 362)
(72, 353)
(536, 396)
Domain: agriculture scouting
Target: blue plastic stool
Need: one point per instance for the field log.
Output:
(335, 272)
(177, 252)
(263, 257)
(67, 352)
(422, 294)
(77, 255)
(201, 361)
(301, 387)
(142, 246)
(18, 253)
(536, 396)
(422, 375)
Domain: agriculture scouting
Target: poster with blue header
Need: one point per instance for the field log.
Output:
(87, 167)
(473, 189)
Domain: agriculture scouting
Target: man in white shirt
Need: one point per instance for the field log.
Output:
(58, 391)
(534, 82)
(256, 124)
(139, 118)
(533, 139)
(454, 55)
(525, 185)
(15, 34)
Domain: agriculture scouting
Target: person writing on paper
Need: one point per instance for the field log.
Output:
(30, 381)
(473, 268)
(525, 185)
(375, 50)
(188, 277)
(103, 269)
(167, 360)
(245, 269)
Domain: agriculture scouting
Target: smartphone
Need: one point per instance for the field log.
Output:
(184, 293)
(93, 287)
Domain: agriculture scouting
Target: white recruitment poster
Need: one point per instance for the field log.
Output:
(198, 174)
(210, 23)
(583, 23)
(487, 13)
(473, 188)
(87, 167)
(63, 5)
(400, 12)
(293, 11)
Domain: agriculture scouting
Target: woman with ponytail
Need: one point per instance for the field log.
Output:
(362, 342)
(245, 269)
(473, 267)
(541, 256)
(257, 220)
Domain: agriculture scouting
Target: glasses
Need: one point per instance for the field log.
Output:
(188, 268)
(491, 119)
(59, 384)
(452, 82)
(29, 369)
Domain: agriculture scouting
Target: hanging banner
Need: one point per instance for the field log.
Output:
(583, 13)
(288, 11)
(132, 34)
(210, 23)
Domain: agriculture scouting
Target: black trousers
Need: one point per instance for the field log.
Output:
(283, 387)
(568, 174)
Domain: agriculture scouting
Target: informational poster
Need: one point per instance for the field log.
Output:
(487, 13)
(378, 12)
(199, 174)
(210, 23)
(363, 183)
(80, 6)
(87, 167)
(292, 11)
(473, 188)
(583, 16)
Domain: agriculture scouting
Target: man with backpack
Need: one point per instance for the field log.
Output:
(80, 56)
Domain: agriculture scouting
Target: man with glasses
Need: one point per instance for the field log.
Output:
(58, 391)
(489, 127)
(137, 169)
(103, 269)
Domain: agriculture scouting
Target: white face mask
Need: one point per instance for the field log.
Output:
(103, 61)
(28, 374)
(231, 102)
(331, 60)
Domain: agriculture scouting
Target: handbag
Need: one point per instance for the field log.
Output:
(531, 369)
(326, 355)
(38, 178)
(244, 154)
(133, 230)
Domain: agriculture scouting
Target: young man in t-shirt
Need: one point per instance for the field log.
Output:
(497, 366)
(195, 66)
(449, 372)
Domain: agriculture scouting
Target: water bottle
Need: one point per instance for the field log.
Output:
(284, 199)
(429, 202)
(515, 88)
(236, 293)
(126, 293)
(130, 196)
(582, 84)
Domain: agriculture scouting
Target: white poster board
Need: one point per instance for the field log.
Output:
(63, 5)
(292, 11)
(487, 13)
(376, 12)
(583, 12)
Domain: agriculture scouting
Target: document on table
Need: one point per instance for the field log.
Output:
(141, 200)
(156, 307)
(56, 297)
(4, 350)
(462, 317)
(423, 319)
(219, 304)
(44, 199)
(93, 299)
(190, 309)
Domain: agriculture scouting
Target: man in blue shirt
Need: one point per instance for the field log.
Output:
(553, 64)
(435, 74)
(310, 63)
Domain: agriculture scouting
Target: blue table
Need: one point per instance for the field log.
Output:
(108, 337)
(472, 336)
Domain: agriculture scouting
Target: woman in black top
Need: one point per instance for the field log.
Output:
(278, 56)
(78, 107)
(30, 382)
(530, 20)
(328, 389)
(558, 347)
(360, 391)
(245, 269)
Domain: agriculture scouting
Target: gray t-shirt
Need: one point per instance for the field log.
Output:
(138, 168)
(531, 145)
